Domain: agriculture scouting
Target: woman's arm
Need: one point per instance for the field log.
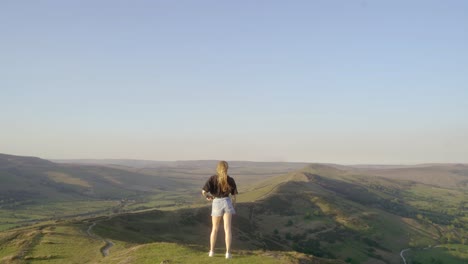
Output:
(233, 198)
(207, 195)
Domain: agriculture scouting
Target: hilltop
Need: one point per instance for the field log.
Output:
(59, 243)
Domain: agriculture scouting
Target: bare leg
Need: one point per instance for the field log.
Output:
(214, 231)
(227, 230)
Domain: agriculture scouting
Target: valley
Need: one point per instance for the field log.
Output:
(151, 212)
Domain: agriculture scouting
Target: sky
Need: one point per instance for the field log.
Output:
(340, 81)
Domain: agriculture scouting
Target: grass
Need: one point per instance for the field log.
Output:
(263, 189)
(363, 233)
(4, 227)
(69, 243)
(320, 210)
(45, 210)
(67, 178)
(6, 247)
(59, 243)
(354, 252)
(447, 254)
(151, 236)
(175, 253)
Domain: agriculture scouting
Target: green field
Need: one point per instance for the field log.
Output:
(445, 254)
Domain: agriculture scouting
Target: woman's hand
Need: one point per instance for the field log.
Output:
(207, 195)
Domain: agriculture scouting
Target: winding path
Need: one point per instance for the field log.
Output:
(89, 230)
(105, 249)
(401, 254)
(407, 249)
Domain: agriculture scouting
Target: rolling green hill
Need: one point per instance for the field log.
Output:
(452, 176)
(318, 213)
(322, 210)
(34, 189)
(29, 177)
(76, 243)
(380, 214)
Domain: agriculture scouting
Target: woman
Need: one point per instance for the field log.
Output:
(217, 189)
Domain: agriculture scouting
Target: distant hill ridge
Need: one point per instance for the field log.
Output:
(12, 160)
(42, 178)
(177, 163)
(441, 175)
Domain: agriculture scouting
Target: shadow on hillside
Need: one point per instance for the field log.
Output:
(256, 226)
(322, 216)
(187, 226)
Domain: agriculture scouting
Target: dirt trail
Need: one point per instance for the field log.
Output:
(401, 254)
(407, 249)
(105, 249)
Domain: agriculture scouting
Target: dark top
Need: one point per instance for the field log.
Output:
(212, 187)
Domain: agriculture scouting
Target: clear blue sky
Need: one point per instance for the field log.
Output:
(321, 81)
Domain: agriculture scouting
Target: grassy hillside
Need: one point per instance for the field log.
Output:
(452, 176)
(33, 189)
(28, 177)
(72, 243)
(324, 211)
(320, 213)
(176, 253)
(377, 214)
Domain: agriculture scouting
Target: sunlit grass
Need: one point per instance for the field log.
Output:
(68, 243)
(175, 253)
(67, 178)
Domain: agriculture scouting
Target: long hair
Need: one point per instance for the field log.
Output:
(221, 171)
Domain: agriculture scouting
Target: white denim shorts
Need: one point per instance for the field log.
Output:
(222, 206)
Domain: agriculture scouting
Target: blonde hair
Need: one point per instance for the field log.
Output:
(221, 171)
